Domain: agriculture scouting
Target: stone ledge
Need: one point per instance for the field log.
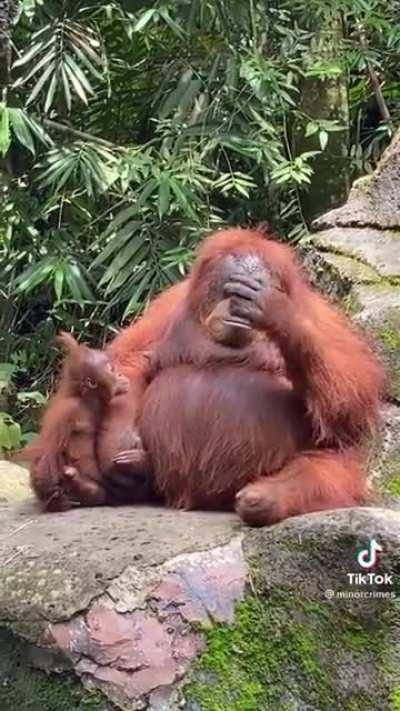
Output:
(139, 605)
(378, 249)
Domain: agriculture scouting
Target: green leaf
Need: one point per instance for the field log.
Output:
(50, 56)
(59, 275)
(148, 189)
(21, 129)
(32, 52)
(84, 59)
(73, 285)
(34, 396)
(80, 281)
(10, 432)
(311, 128)
(117, 242)
(323, 139)
(127, 275)
(79, 74)
(6, 374)
(37, 130)
(183, 200)
(35, 275)
(41, 82)
(5, 440)
(176, 29)
(144, 19)
(137, 294)
(79, 90)
(67, 88)
(5, 135)
(163, 195)
(124, 256)
(50, 93)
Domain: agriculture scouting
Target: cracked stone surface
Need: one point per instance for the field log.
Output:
(358, 272)
(123, 598)
(72, 557)
(378, 249)
(354, 256)
(378, 312)
(115, 594)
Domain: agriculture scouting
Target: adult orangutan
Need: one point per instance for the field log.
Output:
(276, 424)
(273, 422)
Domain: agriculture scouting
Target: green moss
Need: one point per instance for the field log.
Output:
(392, 486)
(351, 304)
(281, 652)
(35, 691)
(390, 337)
(357, 638)
(395, 700)
(25, 689)
(246, 664)
(358, 703)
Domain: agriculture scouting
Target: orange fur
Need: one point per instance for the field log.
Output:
(300, 401)
(279, 422)
(65, 469)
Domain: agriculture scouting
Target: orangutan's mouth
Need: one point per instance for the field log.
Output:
(237, 323)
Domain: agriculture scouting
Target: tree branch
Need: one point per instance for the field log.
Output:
(68, 130)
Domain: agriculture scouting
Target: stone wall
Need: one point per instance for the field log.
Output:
(355, 253)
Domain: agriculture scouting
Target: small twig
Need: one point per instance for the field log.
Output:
(17, 530)
(374, 79)
(20, 550)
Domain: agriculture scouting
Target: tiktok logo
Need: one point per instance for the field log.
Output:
(368, 557)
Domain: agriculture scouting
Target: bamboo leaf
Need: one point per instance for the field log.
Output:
(144, 19)
(50, 56)
(59, 281)
(80, 75)
(21, 129)
(5, 134)
(139, 291)
(50, 94)
(163, 195)
(183, 200)
(76, 84)
(84, 59)
(32, 52)
(40, 84)
(124, 256)
(117, 242)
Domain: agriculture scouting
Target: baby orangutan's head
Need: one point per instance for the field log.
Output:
(89, 372)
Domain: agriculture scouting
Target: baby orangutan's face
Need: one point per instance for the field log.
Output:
(97, 376)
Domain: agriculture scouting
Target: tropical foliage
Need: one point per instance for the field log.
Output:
(128, 129)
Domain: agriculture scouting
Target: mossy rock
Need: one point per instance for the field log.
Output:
(376, 250)
(23, 688)
(379, 314)
(287, 653)
(294, 645)
(384, 459)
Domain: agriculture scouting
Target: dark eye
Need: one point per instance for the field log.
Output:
(90, 383)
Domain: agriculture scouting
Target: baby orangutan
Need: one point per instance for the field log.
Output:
(66, 466)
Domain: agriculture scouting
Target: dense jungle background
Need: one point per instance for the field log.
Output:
(130, 129)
